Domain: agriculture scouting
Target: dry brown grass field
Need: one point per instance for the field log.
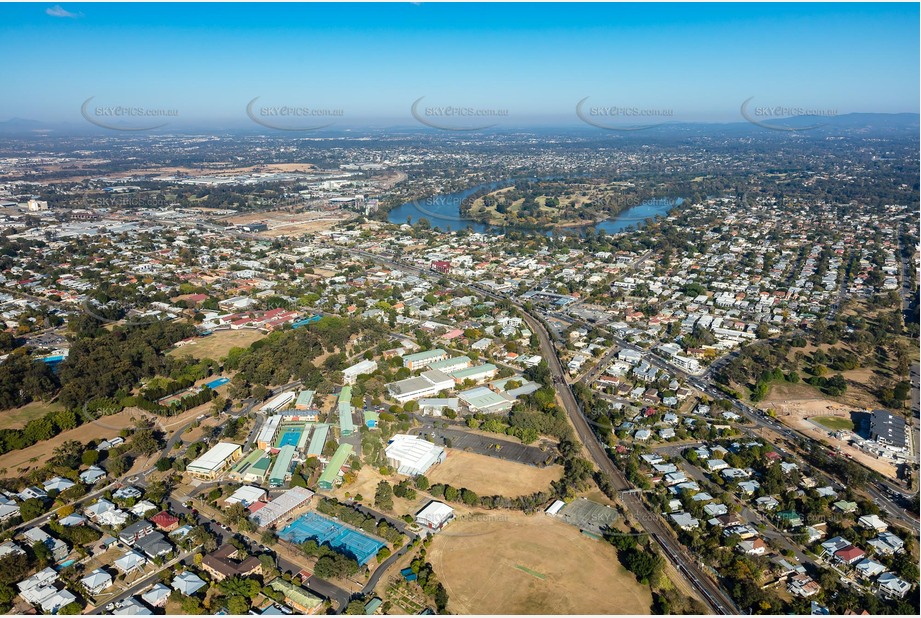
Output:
(216, 346)
(488, 476)
(505, 562)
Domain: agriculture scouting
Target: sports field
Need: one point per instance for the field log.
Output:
(505, 562)
(340, 537)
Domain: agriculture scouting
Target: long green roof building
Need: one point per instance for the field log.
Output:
(331, 473)
(346, 427)
(282, 466)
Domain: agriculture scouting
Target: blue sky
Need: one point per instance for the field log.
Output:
(534, 60)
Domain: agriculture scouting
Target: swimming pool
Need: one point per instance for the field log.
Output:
(340, 537)
(291, 436)
(218, 382)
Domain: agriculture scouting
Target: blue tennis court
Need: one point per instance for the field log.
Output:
(338, 536)
(291, 437)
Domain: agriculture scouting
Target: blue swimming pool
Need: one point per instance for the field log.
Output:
(290, 437)
(215, 383)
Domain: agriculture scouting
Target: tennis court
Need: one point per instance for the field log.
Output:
(346, 540)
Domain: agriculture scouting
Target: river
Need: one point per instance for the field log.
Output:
(443, 212)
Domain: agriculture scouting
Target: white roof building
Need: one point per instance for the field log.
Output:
(58, 483)
(278, 402)
(132, 561)
(157, 595)
(281, 506)
(429, 383)
(96, 581)
(42, 579)
(435, 515)
(350, 374)
(215, 460)
(143, 507)
(58, 599)
(99, 507)
(873, 522)
(131, 607)
(246, 495)
(8, 508)
(892, 585)
(10, 547)
(412, 455)
(92, 474)
(268, 430)
(869, 568)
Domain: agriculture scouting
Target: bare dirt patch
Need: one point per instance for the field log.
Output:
(492, 476)
(511, 563)
(36, 455)
(797, 404)
(282, 223)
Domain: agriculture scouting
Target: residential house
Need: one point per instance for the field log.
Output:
(886, 543)
(893, 586)
(130, 562)
(850, 555)
(752, 547)
(130, 534)
(872, 522)
(8, 508)
(154, 544)
(869, 568)
(58, 484)
(96, 581)
(58, 548)
(165, 521)
(157, 596)
(225, 562)
(91, 475)
(188, 583)
(802, 585)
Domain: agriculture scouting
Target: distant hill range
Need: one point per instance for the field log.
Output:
(844, 124)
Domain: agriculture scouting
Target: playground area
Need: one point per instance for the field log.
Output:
(337, 535)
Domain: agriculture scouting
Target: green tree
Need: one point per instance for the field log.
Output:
(71, 609)
(383, 497)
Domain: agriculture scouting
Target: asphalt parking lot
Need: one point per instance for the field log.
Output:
(486, 445)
